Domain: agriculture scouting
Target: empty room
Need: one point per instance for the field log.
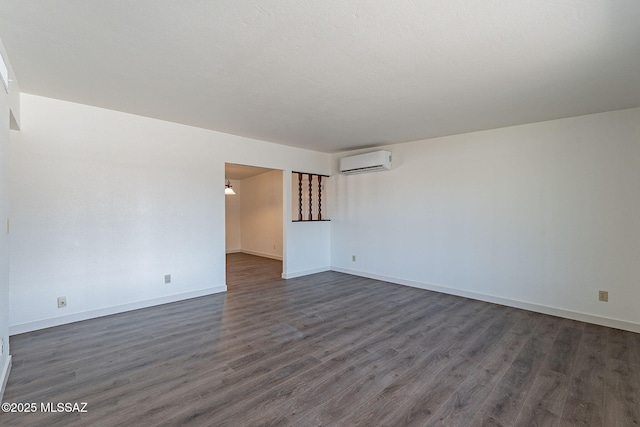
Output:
(320, 213)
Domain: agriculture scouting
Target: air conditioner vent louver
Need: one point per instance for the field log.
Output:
(368, 162)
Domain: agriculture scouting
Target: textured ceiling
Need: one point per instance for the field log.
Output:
(331, 75)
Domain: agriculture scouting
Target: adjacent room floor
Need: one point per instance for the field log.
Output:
(327, 350)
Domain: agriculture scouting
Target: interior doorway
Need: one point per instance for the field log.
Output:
(254, 220)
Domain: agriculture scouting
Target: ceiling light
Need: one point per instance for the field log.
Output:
(228, 191)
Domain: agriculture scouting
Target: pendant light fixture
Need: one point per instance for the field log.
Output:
(228, 191)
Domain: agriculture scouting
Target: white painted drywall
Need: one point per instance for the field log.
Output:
(307, 247)
(9, 119)
(232, 218)
(261, 215)
(105, 203)
(4, 237)
(541, 215)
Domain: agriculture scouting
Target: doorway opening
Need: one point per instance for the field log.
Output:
(254, 219)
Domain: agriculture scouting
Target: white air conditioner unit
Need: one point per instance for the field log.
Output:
(368, 162)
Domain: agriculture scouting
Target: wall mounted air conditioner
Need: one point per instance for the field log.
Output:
(368, 162)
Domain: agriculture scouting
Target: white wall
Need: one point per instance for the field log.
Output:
(307, 248)
(233, 238)
(261, 215)
(9, 118)
(104, 204)
(4, 238)
(540, 216)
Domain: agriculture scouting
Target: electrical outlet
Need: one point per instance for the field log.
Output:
(603, 296)
(353, 258)
(62, 302)
(167, 278)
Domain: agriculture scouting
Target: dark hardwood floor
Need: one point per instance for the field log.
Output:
(327, 350)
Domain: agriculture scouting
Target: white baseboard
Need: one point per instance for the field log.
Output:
(262, 254)
(4, 376)
(233, 251)
(304, 273)
(107, 311)
(553, 311)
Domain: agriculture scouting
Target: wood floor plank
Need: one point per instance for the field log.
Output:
(437, 382)
(300, 386)
(564, 350)
(589, 369)
(350, 389)
(622, 345)
(466, 401)
(621, 404)
(507, 399)
(579, 413)
(545, 401)
(327, 349)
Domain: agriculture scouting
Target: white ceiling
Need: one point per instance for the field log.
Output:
(331, 75)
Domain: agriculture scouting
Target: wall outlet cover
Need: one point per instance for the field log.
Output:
(62, 302)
